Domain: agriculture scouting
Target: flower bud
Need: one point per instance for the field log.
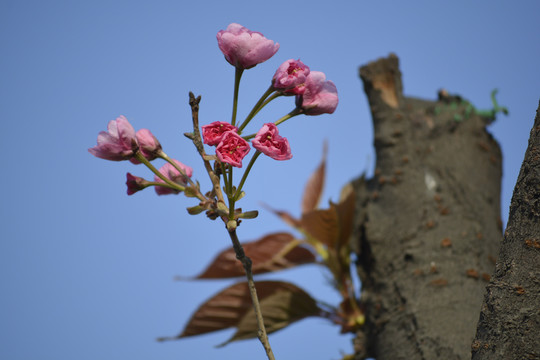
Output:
(232, 149)
(171, 173)
(118, 143)
(135, 183)
(269, 142)
(320, 96)
(212, 133)
(290, 77)
(244, 48)
(148, 144)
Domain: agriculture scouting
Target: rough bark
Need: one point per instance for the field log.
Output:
(509, 326)
(428, 222)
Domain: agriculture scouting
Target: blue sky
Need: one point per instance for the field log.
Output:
(87, 272)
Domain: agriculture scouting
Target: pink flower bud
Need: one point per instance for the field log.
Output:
(290, 77)
(320, 96)
(271, 144)
(171, 173)
(244, 48)
(135, 183)
(148, 144)
(232, 149)
(118, 143)
(212, 133)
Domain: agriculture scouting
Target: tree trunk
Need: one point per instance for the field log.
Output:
(509, 326)
(428, 222)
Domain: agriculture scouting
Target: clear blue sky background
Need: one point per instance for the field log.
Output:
(86, 272)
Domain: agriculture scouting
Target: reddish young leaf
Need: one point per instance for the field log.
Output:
(314, 187)
(285, 216)
(331, 226)
(268, 254)
(346, 210)
(322, 225)
(286, 304)
(227, 308)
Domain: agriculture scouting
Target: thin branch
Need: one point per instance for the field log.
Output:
(246, 262)
(197, 141)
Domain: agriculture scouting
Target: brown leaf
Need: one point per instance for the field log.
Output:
(286, 304)
(229, 307)
(346, 211)
(270, 253)
(222, 311)
(322, 225)
(331, 226)
(314, 186)
(285, 216)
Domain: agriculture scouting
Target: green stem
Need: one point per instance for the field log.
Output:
(237, 76)
(293, 113)
(296, 111)
(244, 177)
(274, 96)
(153, 183)
(258, 106)
(224, 173)
(230, 196)
(249, 137)
(198, 193)
(171, 184)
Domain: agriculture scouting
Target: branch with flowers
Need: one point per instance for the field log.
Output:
(322, 239)
(244, 49)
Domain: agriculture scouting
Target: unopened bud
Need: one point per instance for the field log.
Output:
(248, 214)
(195, 210)
(135, 183)
(231, 225)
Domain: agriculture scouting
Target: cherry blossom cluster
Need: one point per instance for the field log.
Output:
(244, 49)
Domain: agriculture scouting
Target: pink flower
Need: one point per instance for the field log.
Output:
(119, 143)
(171, 173)
(149, 146)
(271, 144)
(244, 48)
(290, 77)
(135, 183)
(212, 133)
(320, 96)
(232, 149)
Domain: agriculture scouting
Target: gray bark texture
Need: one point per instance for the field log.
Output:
(428, 222)
(509, 326)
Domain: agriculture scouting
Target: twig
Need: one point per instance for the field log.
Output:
(197, 141)
(231, 224)
(246, 262)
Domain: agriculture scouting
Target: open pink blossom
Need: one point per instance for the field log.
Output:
(171, 173)
(320, 95)
(244, 48)
(232, 149)
(117, 143)
(212, 133)
(135, 183)
(269, 142)
(290, 77)
(149, 146)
